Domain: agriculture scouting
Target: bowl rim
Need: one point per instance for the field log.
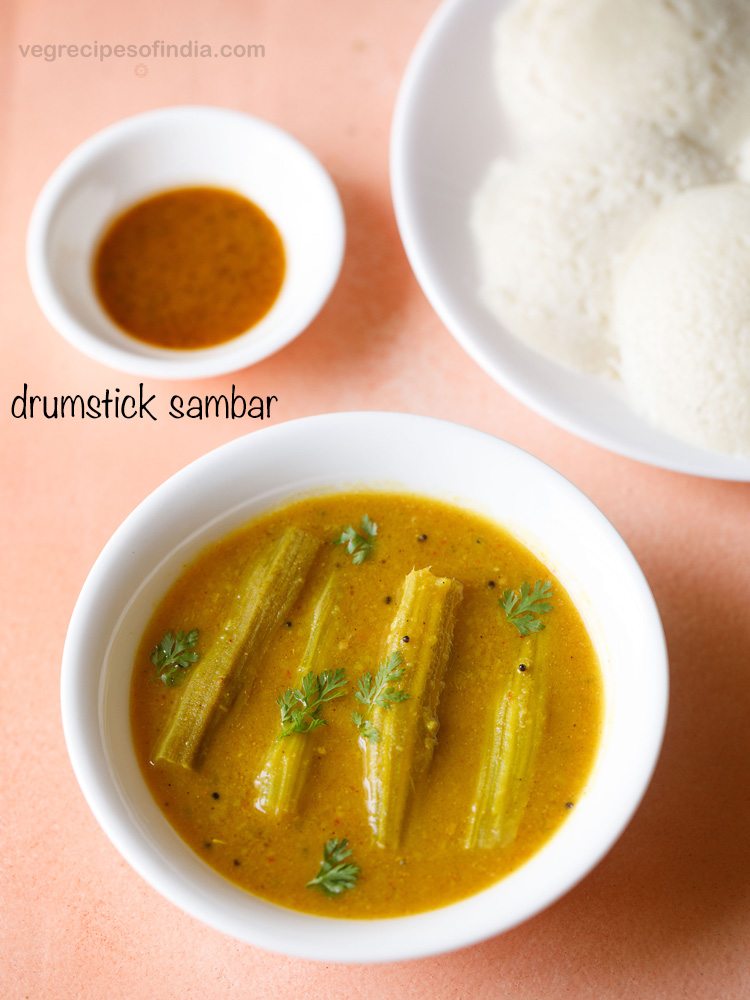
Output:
(395, 939)
(239, 352)
(687, 459)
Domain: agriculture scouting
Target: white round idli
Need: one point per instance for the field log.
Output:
(681, 64)
(549, 226)
(682, 317)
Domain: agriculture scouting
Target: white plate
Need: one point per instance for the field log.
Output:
(447, 129)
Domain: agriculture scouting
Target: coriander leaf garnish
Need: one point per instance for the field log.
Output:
(365, 727)
(174, 653)
(522, 607)
(359, 544)
(301, 707)
(381, 691)
(335, 875)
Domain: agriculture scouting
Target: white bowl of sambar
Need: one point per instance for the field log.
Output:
(364, 687)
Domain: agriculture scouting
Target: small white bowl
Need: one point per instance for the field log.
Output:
(179, 147)
(329, 453)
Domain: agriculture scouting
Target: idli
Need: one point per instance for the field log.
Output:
(681, 64)
(682, 317)
(549, 225)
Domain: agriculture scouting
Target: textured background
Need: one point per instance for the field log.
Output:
(667, 914)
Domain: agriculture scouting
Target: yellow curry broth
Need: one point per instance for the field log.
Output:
(213, 808)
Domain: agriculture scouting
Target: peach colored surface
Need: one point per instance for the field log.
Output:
(667, 914)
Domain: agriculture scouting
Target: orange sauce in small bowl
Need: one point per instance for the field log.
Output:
(189, 268)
